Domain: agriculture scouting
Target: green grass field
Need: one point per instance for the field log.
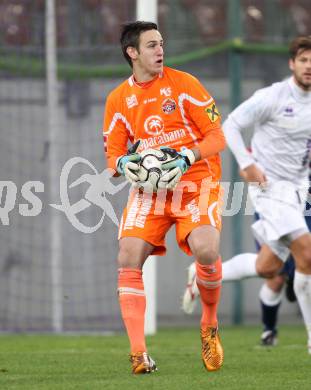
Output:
(101, 362)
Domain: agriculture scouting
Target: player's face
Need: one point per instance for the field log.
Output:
(148, 60)
(301, 68)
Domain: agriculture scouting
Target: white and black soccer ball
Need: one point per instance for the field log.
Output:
(150, 171)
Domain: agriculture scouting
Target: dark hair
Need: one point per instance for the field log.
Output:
(130, 35)
(299, 44)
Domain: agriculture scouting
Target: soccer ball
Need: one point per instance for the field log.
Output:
(150, 171)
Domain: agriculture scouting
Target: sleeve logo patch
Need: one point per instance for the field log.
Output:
(212, 112)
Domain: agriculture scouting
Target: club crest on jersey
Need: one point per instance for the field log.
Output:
(154, 125)
(212, 112)
(168, 106)
(131, 101)
(289, 111)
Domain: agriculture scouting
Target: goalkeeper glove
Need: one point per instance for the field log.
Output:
(127, 165)
(177, 167)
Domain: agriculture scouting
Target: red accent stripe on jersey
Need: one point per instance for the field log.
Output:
(105, 142)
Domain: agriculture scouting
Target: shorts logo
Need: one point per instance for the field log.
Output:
(212, 112)
(194, 211)
(131, 101)
(168, 106)
(154, 125)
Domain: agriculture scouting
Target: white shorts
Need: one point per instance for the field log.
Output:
(280, 207)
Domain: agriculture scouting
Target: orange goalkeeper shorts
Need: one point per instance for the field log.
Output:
(149, 216)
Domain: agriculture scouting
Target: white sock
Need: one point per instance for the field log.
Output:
(240, 267)
(302, 288)
(269, 297)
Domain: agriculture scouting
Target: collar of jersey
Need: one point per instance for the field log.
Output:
(145, 84)
(299, 94)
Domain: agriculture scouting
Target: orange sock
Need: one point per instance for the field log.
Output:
(133, 304)
(209, 284)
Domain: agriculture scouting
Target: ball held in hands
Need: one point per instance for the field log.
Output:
(177, 167)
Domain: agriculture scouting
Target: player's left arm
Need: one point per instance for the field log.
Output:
(200, 110)
(212, 143)
(201, 113)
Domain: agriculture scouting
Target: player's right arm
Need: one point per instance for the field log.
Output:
(253, 174)
(245, 116)
(117, 132)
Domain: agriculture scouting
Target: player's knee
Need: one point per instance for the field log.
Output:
(127, 257)
(301, 251)
(124, 258)
(306, 253)
(206, 255)
(276, 284)
(304, 260)
(267, 270)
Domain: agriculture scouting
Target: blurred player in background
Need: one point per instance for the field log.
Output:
(271, 292)
(162, 107)
(270, 297)
(277, 170)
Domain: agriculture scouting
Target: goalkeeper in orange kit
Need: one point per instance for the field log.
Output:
(162, 107)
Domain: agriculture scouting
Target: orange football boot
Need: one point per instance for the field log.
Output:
(212, 351)
(142, 363)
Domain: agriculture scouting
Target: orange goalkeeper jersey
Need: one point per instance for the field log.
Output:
(172, 110)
